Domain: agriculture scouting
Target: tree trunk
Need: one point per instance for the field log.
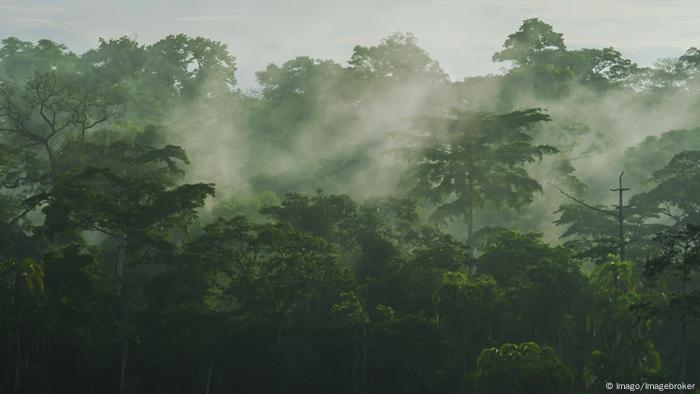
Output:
(209, 373)
(364, 359)
(684, 324)
(307, 309)
(18, 365)
(682, 352)
(121, 286)
(470, 229)
(122, 374)
(559, 343)
(461, 364)
(121, 265)
(18, 339)
(356, 358)
(471, 269)
(279, 330)
(52, 160)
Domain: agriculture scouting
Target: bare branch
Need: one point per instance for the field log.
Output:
(20, 216)
(582, 202)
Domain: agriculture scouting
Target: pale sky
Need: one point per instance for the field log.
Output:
(460, 34)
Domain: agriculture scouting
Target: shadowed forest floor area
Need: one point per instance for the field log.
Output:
(366, 227)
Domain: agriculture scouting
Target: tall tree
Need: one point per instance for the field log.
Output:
(533, 41)
(467, 160)
(397, 57)
(50, 109)
(192, 67)
(130, 194)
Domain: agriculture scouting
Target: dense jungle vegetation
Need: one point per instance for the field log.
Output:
(365, 227)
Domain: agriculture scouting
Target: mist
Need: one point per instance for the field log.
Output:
(351, 124)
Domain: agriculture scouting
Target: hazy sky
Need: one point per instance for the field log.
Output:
(461, 34)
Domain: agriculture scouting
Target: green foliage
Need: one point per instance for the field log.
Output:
(127, 191)
(534, 41)
(410, 354)
(246, 205)
(465, 305)
(600, 69)
(294, 94)
(351, 309)
(595, 234)
(675, 195)
(539, 282)
(192, 66)
(21, 59)
(624, 349)
(524, 368)
(330, 217)
(21, 279)
(673, 274)
(397, 57)
(544, 66)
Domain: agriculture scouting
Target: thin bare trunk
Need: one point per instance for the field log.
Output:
(122, 290)
(559, 343)
(52, 161)
(209, 373)
(470, 218)
(684, 323)
(356, 358)
(462, 363)
(121, 264)
(307, 309)
(470, 229)
(471, 268)
(18, 365)
(682, 352)
(364, 359)
(280, 328)
(122, 375)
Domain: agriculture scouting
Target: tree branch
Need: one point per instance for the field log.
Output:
(20, 216)
(582, 202)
